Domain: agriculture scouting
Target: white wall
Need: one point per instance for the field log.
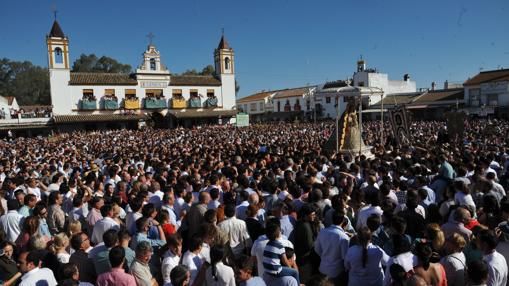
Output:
(61, 96)
(227, 100)
(292, 100)
(381, 80)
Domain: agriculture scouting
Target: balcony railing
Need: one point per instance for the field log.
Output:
(131, 104)
(194, 103)
(178, 103)
(88, 104)
(154, 103)
(110, 104)
(210, 102)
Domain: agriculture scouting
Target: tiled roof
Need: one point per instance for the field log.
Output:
(488, 76)
(194, 80)
(337, 83)
(97, 118)
(256, 96)
(398, 99)
(440, 95)
(56, 31)
(85, 78)
(291, 92)
(191, 113)
(223, 44)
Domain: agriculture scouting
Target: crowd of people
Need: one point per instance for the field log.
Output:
(30, 112)
(258, 205)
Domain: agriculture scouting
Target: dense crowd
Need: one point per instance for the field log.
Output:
(258, 205)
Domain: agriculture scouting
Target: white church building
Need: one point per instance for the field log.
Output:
(151, 92)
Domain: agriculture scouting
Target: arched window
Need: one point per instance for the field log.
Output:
(59, 58)
(226, 63)
(152, 64)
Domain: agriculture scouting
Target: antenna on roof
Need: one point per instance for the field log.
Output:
(222, 31)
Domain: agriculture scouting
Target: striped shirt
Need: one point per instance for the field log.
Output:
(272, 257)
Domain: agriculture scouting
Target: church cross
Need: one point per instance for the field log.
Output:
(150, 37)
(54, 10)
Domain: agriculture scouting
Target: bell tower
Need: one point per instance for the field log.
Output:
(59, 70)
(224, 58)
(225, 70)
(58, 48)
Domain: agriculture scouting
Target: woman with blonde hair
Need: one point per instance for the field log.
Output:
(455, 262)
(59, 246)
(436, 238)
(74, 227)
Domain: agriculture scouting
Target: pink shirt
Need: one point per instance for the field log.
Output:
(116, 277)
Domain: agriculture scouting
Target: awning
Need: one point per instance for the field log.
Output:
(416, 106)
(109, 92)
(202, 114)
(88, 91)
(130, 92)
(177, 91)
(154, 92)
(97, 118)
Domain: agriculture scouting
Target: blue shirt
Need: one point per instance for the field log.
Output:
(286, 225)
(331, 245)
(43, 228)
(372, 273)
(139, 237)
(25, 211)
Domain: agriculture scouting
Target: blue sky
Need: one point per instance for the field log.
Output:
(278, 44)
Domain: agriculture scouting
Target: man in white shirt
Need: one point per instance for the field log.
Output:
(34, 275)
(169, 206)
(172, 257)
(156, 196)
(373, 208)
(11, 221)
(236, 230)
(497, 265)
(104, 224)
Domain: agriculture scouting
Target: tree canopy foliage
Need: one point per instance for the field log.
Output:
(208, 70)
(25, 81)
(91, 63)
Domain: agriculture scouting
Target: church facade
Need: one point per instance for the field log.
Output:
(150, 90)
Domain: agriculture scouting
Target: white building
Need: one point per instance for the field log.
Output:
(278, 104)
(151, 89)
(7, 104)
(363, 77)
(486, 92)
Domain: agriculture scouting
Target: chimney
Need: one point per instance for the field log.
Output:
(406, 77)
(433, 85)
(446, 84)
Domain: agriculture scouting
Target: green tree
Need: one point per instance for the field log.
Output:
(27, 82)
(208, 70)
(91, 63)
